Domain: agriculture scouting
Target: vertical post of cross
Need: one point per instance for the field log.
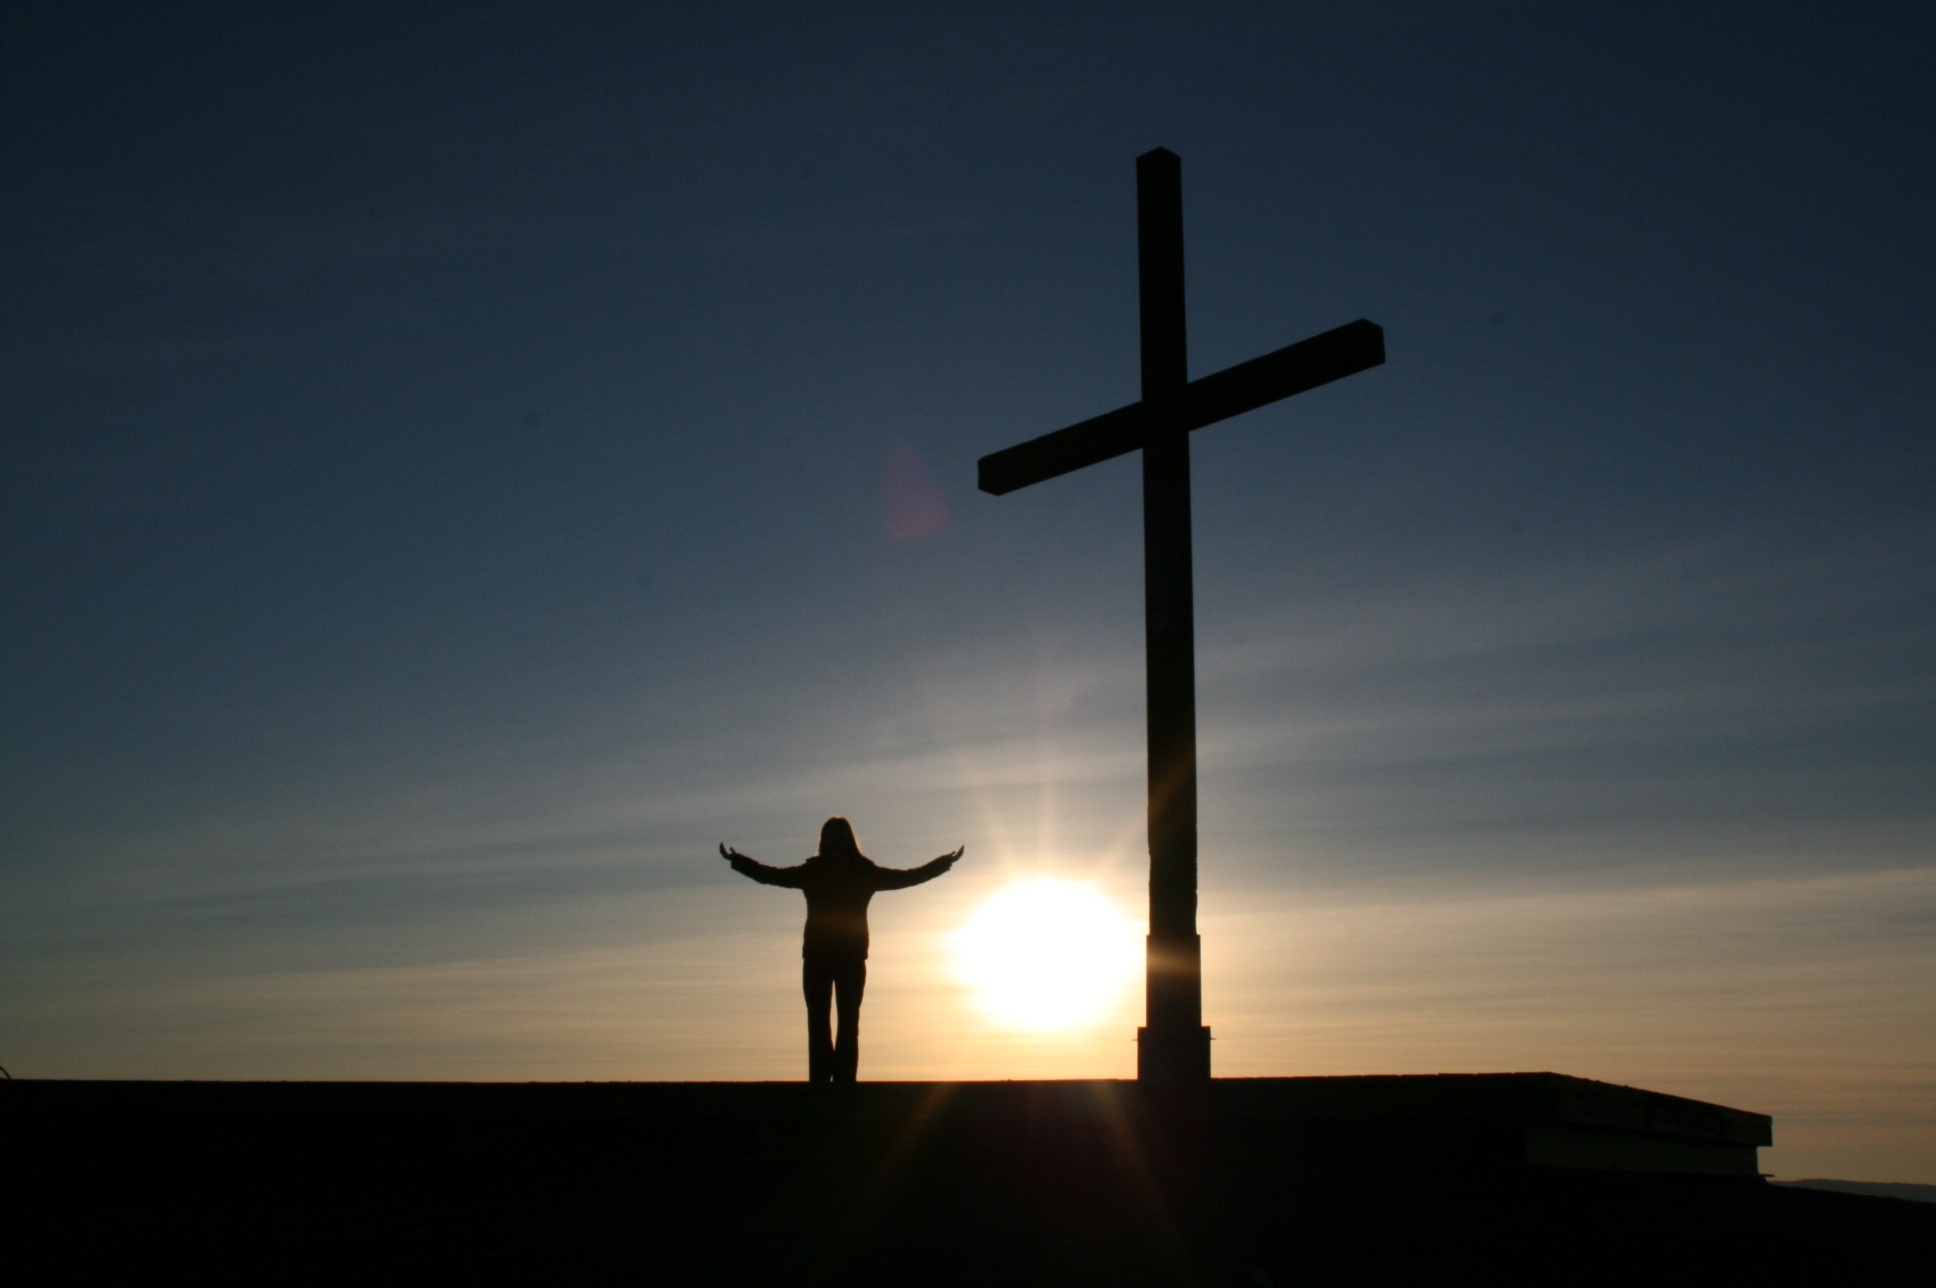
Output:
(1173, 1046)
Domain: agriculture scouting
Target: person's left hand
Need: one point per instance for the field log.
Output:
(950, 859)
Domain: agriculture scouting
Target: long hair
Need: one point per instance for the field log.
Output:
(837, 840)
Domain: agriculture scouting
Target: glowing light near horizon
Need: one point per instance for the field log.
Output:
(1048, 954)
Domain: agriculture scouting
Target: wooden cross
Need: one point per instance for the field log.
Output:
(1173, 1046)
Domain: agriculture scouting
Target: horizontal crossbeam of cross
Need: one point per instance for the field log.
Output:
(1349, 349)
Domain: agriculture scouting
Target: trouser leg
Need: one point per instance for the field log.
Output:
(817, 982)
(850, 981)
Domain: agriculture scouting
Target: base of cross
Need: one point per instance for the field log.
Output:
(1529, 1177)
(1177, 1057)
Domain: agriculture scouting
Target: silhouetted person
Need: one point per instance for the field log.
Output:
(838, 882)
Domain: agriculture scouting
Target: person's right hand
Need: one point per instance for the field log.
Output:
(728, 853)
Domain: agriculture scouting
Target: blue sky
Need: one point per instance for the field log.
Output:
(463, 462)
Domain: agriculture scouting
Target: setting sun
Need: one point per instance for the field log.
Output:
(1047, 954)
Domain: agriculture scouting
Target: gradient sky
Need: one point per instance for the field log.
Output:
(462, 462)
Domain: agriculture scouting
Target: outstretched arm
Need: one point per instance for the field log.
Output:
(760, 872)
(902, 878)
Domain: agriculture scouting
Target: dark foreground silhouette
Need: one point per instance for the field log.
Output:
(839, 882)
(1244, 1183)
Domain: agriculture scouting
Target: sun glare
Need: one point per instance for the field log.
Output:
(1047, 954)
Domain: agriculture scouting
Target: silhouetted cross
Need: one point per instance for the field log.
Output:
(1173, 1046)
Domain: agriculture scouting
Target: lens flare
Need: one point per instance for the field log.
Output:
(913, 503)
(1047, 954)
